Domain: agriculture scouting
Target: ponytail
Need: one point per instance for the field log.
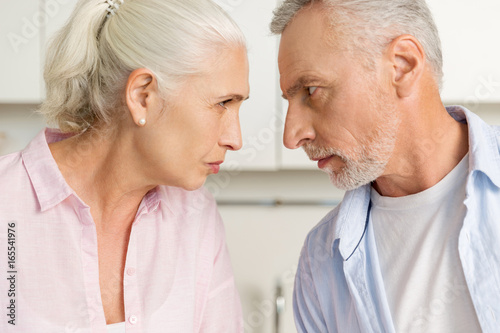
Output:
(72, 70)
(89, 60)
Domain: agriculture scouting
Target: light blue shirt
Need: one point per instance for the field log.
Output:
(339, 286)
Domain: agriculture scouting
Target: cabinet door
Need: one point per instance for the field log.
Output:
(264, 244)
(60, 11)
(21, 23)
(469, 33)
(258, 116)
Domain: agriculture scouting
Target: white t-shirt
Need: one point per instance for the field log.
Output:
(417, 244)
(116, 328)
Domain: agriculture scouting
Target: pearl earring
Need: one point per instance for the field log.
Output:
(142, 121)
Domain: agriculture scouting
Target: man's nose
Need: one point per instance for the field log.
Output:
(298, 128)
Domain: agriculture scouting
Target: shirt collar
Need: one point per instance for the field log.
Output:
(484, 144)
(351, 223)
(48, 182)
(150, 202)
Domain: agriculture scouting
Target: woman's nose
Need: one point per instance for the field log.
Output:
(231, 137)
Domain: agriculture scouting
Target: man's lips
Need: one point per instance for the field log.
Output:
(322, 161)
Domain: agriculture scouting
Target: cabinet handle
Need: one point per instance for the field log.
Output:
(278, 202)
(280, 308)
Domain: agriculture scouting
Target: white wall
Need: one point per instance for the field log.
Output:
(18, 125)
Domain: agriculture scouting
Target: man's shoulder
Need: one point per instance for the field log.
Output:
(323, 235)
(326, 227)
(484, 144)
(477, 126)
(496, 130)
(344, 223)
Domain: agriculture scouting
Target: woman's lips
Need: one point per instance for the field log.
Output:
(215, 167)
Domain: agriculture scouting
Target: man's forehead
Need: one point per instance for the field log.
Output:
(305, 36)
(309, 22)
(301, 60)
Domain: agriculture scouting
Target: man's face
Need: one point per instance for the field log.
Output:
(341, 113)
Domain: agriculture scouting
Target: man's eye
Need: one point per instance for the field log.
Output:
(312, 90)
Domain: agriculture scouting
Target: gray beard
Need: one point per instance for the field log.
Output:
(363, 163)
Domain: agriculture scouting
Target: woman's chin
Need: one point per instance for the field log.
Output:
(193, 185)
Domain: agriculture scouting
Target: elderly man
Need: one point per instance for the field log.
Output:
(414, 245)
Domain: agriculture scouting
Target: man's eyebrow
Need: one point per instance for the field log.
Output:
(299, 84)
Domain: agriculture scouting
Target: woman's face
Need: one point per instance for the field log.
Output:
(188, 140)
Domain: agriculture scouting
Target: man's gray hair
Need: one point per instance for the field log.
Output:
(370, 25)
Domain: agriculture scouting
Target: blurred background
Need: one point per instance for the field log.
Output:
(269, 197)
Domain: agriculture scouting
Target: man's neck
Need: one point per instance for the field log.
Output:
(429, 146)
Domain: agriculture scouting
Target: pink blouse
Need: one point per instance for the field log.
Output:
(177, 278)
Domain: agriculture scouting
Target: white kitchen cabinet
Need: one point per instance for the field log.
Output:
(61, 11)
(264, 244)
(18, 126)
(259, 124)
(25, 26)
(296, 159)
(21, 24)
(267, 216)
(469, 33)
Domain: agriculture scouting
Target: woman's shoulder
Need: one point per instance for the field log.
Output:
(10, 159)
(14, 181)
(10, 165)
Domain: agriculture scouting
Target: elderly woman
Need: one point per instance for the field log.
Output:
(105, 220)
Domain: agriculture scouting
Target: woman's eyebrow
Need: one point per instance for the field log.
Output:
(235, 97)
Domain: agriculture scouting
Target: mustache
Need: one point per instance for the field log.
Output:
(317, 153)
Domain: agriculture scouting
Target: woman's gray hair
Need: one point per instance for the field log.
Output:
(90, 59)
(370, 25)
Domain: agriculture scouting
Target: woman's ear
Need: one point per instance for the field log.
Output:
(407, 58)
(141, 94)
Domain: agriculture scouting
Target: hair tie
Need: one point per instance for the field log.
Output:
(113, 7)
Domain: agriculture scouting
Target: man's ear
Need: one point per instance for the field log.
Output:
(141, 94)
(407, 58)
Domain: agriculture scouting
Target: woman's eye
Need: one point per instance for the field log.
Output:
(312, 90)
(223, 104)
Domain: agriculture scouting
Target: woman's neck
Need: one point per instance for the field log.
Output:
(98, 167)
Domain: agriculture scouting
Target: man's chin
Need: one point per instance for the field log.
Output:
(342, 181)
